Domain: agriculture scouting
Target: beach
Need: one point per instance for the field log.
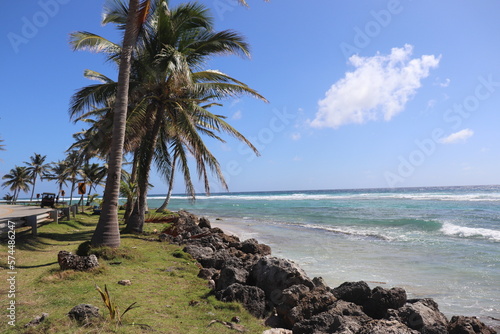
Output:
(441, 243)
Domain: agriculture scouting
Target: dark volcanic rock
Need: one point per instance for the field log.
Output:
(422, 315)
(244, 271)
(468, 325)
(386, 327)
(382, 300)
(273, 275)
(84, 313)
(70, 261)
(252, 298)
(355, 292)
(230, 275)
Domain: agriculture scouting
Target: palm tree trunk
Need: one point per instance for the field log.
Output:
(170, 187)
(71, 193)
(107, 232)
(33, 190)
(135, 224)
(131, 199)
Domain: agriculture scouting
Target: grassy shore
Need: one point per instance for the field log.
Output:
(169, 295)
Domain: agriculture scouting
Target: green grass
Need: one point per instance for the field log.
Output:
(169, 295)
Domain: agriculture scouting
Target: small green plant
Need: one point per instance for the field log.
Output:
(114, 313)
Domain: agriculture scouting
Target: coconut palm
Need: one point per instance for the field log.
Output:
(92, 174)
(37, 167)
(166, 87)
(18, 180)
(107, 233)
(73, 164)
(59, 173)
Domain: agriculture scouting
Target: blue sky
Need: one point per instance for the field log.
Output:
(362, 94)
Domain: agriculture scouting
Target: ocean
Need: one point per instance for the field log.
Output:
(437, 242)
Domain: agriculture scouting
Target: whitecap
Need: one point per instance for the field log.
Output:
(468, 232)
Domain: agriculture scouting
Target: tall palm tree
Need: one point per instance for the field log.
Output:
(165, 87)
(59, 173)
(37, 167)
(73, 164)
(18, 179)
(107, 232)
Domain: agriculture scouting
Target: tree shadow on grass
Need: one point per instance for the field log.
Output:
(37, 266)
(26, 241)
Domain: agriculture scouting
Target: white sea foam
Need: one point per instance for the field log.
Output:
(468, 197)
(467, 232)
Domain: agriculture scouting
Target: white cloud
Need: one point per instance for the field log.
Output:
(380, 86)
(237, 115)
(296, 136)
(446, 83)
(457, 137)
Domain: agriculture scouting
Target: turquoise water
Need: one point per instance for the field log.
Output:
(441, 242)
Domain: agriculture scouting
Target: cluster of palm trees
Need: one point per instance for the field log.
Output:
(168, 101)
(72, 169)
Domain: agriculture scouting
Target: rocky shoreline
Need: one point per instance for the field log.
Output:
(280, 292)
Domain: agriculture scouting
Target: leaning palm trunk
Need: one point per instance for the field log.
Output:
(131, 195)
(33, 190)
(135, 223)
(170, 187)
(107, 232)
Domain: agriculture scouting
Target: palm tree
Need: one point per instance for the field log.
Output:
(107, 233)
(59, 173)
(92, 174)
(73, 163)
(166, 89)
(37, 167)
(19, 179)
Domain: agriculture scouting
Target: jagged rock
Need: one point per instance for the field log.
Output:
(252, 246)
(208, 273)
(204, 223)
(341, 317)
(76, 262)
(37, 320)
(319, 282)
(422, 315)
(383, 299)
(273, 275)
(314, 302)
(220, 259)
(468, 325)
(322, 323)
(198, 252)
(355, 292)
(230, 275)
(386, 327)
(84, 313)
(252, 298)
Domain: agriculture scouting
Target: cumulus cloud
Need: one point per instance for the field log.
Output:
(457, 137)
(379, 87)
